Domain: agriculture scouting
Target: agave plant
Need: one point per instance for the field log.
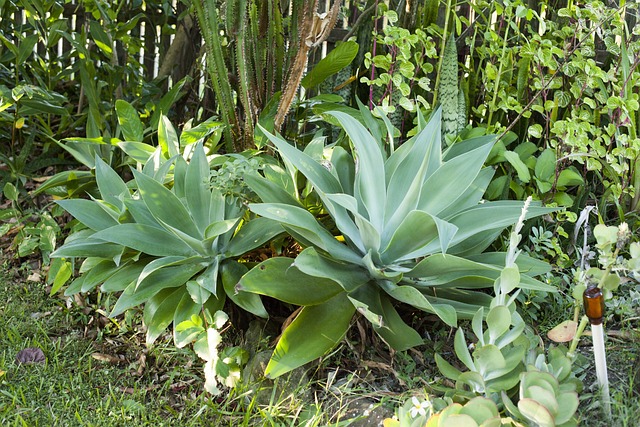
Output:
(170, 248)
(412, 227)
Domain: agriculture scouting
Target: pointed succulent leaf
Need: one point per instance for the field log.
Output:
(369, 181)
(146, 239)
(453, 179)
(313, 333)
(231, 272)
(279, 278)
(89, 213)
(491, 216)
(394, 331)
(305, 224)
(413, 237)
(165, 206)
(159, 312)
(169, 277)
(447, 368)
(462, 351)
(412, 296)
(126, 274)
(251, 235)
(268, 191)
(88, 248)
(197, 188)
(112, 188)
(350, 277)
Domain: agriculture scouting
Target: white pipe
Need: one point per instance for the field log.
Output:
(597, 332)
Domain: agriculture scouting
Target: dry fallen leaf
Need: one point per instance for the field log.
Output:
(564, 332)
(31, 355)
(106, 358)
(34, 277)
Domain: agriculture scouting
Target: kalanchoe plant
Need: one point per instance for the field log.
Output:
(173, 249)
(414, 228)
(504, 364)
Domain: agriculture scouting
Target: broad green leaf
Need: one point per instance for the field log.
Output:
(279, 278)
(167, 261)
(169, 277)
(101, 38)
(407, 182)
(129, 121)
(159, 311)
(517, 163)
(146, 239)
(320, 177)
(343, 168)
(527, 265)
(313, 333)
(98, 274)
(165, 206)
(546, 165)
(231, 273)
(268, 191)
(166, 102)
(89, 213)
(472, 196)
(112, 188)
(343, 207)
(569, 178)
(10, 192)
(199, 133)
(168, 138)
(439, 268)
(350, 277)
(27, 45)
(208, 279)
(491, 216)
(339, 57)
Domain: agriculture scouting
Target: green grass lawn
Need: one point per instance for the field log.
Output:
(97, 375)
(98, 372)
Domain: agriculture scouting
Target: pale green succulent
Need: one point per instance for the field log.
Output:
(414, 227)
